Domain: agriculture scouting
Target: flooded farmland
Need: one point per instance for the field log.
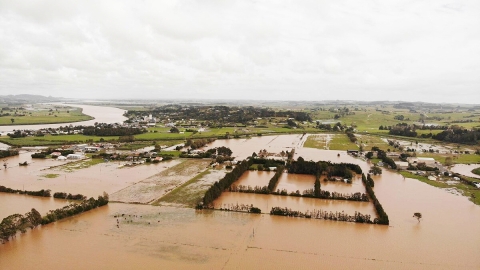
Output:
(466, 169)
(20, 204)
(447, 237)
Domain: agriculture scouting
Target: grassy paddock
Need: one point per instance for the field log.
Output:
(42, 117)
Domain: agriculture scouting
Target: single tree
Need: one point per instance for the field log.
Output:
(13, 120)
(418, 216)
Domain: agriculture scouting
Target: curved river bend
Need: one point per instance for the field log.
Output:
(100, 114)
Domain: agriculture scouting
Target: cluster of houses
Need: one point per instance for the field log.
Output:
(415, 162)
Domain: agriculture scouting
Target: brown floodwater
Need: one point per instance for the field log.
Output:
(293, 182)
(447, 237)
(243, 148)
(266, 202)
(20, 204)
(466, 169)
(91, 181)
(255, 178)
(100, 114)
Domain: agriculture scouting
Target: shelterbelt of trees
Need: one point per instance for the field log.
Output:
(233, 114)
(218, 187)
(40, 193)
(17, 222)
(451, 134)
(344, 170)
(382, 215)
(8, 153)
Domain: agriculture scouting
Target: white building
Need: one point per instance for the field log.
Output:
(426, 160)
(74, 156)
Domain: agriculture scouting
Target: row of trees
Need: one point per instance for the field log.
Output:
(75, 209)
(111, 131)
(44, 193)
(40, 193)
(8, 153)
(383, 156)
(198, 143)
(459, 135)
(218, 187)
(17, 222)
(274, 180)
(69, 196)
(320, 214)
(382, 216)
(403, 129)
(240, 208)
(317, 168)
(351, 136)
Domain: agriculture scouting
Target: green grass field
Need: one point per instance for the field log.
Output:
(44, 117)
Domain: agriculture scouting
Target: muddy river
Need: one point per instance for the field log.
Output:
(149, 237)
(99, 113)
(20, 204)
(466, 169)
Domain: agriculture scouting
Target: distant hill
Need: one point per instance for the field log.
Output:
(25, 98)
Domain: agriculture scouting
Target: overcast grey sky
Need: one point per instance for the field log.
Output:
(282, 50)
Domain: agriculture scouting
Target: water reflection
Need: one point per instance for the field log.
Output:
(447, 237)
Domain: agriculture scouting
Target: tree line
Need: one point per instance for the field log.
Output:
(344, 170)
(8, 153)
(219, 186)
(383, 156)
(459, 135)
(199, 143)
(69, 196)
(274, 180)
(382, 216)
(74, 209)
(40, 193)
(111, 131)
(320, 214)
(17, 222)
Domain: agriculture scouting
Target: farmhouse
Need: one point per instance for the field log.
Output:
(401, 165)
(352, 152)
(80, 147)
(91, 149)
(74, 156)
(425, 160)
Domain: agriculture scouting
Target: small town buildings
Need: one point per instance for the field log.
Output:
(401, 165)
(80, 147)
(352, 152)
(74, 156)
(425, 160)
(56, 154)
(91, 149)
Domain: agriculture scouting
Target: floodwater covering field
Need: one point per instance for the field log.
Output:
(20, 204)
(447, 237)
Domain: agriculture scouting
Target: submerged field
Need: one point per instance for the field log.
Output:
(154, 187)
(180, 237)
